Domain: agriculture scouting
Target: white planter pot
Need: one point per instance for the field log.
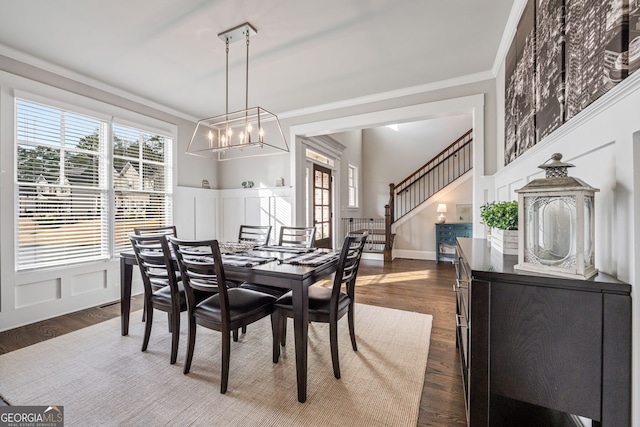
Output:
(504, 241)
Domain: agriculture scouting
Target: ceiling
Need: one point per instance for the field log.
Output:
(306, 53)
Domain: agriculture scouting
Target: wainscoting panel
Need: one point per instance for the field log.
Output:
(38, 292)
(88, 282)
(195, 212)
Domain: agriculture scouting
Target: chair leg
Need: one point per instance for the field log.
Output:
(226, 353)
(170, 321)
(333, 340)
(175, 336)
(244, 329)
(144, 312)
(276, 330)
(235, 335)
(191, 342)
(147, 326)
(352, 329)
(283, 330)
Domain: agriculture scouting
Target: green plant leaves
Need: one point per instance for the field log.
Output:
(502, 215)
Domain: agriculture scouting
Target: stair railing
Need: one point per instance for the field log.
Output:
(447, 166)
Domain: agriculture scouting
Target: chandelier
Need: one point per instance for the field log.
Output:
(250, 131)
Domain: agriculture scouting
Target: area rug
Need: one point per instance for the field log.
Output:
(102, 378)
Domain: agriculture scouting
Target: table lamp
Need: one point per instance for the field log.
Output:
(442, 209)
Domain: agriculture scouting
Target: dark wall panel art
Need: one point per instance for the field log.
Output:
(634, 35)
(565, 55)
(597, 42)
(550, 54)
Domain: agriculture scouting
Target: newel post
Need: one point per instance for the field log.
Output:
(388, 221)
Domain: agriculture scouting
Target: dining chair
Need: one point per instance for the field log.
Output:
(327, 305)
(302, 237)
(169, 230)
(162, 290)
(230, 308)
(258, 234)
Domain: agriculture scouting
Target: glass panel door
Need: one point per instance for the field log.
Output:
(322, 189)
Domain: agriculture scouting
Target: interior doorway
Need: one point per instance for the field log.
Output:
(322, 206)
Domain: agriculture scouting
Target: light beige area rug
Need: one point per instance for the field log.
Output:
(102, 378)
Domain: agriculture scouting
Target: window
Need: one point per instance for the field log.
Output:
(353, 186)
(141, 180)
(65, 208)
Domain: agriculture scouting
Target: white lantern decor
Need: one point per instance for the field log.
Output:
(556, 223)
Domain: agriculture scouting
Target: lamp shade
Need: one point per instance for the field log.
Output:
(442, 209)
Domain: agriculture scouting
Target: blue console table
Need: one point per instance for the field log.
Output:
(446, 238)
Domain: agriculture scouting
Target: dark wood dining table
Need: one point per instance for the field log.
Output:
(298, 278)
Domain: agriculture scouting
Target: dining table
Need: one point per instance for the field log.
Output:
(282, 268)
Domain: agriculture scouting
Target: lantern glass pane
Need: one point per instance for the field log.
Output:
(550, 231)
(588, 230)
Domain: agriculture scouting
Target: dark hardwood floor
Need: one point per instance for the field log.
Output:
(413, 285)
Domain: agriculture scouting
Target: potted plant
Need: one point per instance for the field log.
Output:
(502, 220)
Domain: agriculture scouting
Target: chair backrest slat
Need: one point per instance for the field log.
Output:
(303, 237)
(169, 230)
(258, 234)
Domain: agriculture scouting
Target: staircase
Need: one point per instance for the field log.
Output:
(449, 165)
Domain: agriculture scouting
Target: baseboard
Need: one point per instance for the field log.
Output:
(411, 254)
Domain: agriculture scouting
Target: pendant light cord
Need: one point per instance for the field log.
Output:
(227, 80)
(247, 75)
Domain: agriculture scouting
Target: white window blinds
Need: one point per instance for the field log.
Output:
(61, 187)
(65, 162)
(141, 182)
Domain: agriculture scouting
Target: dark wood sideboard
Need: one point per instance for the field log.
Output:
(537, 349)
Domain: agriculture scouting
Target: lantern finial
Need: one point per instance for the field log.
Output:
(555, 168)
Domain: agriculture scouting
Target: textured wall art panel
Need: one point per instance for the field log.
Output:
(565, 55)
(520, 87)
(634, 35)
(597, 48)
(550, 51)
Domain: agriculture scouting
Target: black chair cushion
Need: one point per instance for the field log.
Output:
(319, 299)
(271, 290)
(242, 303)
(163, 296)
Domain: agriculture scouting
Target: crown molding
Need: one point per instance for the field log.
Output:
(382, 96)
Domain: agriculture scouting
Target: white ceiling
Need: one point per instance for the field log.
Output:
(306, 52)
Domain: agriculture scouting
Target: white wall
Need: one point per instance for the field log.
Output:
(390, 156)
(602, 142)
